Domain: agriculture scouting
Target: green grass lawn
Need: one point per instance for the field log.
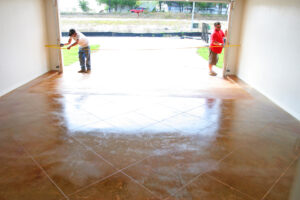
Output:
(71, 56)
(203, 52)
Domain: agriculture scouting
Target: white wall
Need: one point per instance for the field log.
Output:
(295, 192)
(53, 32)
(270, 51)
(234, 32)
(23, 35)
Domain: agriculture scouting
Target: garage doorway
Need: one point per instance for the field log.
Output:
(146, 46)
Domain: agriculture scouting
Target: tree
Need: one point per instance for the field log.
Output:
(205, 5)
(159, 4)
(201, 5)
(84, 5)
(181, 5)
(211, 5)
(221, 6)
(117, 3)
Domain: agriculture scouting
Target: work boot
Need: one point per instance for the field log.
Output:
(81, 71)
(212, 73)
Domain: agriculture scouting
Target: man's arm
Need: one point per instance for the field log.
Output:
(69, 42)
(215, 42)
(72, 45)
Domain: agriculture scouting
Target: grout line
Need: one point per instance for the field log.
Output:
(118, 170)
(179, 111)
(102, 179)
(112, 117)
(100, 119)
(158, 121)
(140, 185)
(135, 111)
(91, 149)
(91, 184)
(175, 115)
(196, 177)
(278, 179)
(75, 129)
(41, 168)
(232, 188)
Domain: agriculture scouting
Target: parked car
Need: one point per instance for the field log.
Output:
(137, 10)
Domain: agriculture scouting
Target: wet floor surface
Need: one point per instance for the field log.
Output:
(160, 129)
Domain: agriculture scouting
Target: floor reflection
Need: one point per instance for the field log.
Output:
(190, 136)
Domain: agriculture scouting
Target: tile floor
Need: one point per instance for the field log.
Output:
(103, 136)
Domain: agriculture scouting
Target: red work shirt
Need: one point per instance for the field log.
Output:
(217, 36)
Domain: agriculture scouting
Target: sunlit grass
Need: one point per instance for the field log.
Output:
(204, 53)
(71, 56)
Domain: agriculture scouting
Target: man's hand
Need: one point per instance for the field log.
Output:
(217, 44)
(69, 48)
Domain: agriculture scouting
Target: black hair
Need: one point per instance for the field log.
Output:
(71, 31)
(217, 23)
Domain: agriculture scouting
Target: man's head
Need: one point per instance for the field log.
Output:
(217, 26)
(72, 32)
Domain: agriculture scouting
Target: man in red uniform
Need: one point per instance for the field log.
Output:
(216, 46)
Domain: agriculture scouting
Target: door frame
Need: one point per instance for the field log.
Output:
(229, 19)
(58, 35)
(229, 27)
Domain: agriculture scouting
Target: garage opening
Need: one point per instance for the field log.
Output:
(146, 47)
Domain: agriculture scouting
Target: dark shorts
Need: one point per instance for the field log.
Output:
(213, 57)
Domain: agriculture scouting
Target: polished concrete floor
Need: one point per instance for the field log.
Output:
(145, 126)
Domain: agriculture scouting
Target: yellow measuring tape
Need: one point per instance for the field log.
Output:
(108, 49)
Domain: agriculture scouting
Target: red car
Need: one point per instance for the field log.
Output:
(137, 10)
